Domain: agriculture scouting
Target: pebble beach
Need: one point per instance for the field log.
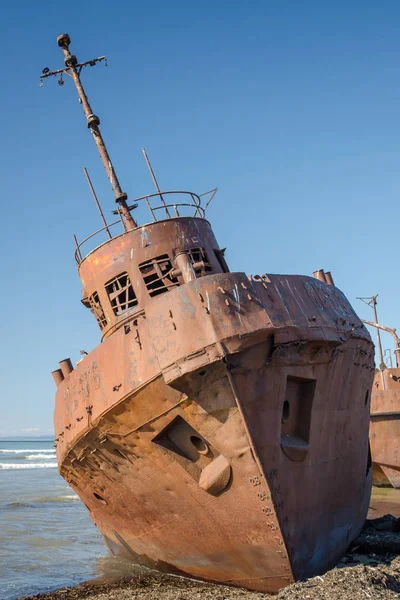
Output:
(373, 576)
(370, 569)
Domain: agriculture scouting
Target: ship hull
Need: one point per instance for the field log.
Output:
(241, 458)
(385, 428)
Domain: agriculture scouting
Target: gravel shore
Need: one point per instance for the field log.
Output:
(370, 569)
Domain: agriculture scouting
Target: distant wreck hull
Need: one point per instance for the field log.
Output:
(385, 428)
(223, 434)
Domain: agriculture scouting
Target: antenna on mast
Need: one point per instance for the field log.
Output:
(73, 70)
(212, 194)
(372, 302)
(97, 202)
(148, 163)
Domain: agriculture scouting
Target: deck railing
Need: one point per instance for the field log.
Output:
(160, 209)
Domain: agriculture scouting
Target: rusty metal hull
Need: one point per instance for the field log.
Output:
(208, 436)
(385, 428)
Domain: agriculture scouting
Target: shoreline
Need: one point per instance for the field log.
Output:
(370, 569)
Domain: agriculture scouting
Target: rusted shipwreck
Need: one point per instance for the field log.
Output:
(385, 413)
(220, 430)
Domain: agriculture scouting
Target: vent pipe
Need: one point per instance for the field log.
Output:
(58, 377)
(66, 366)
(322, 276)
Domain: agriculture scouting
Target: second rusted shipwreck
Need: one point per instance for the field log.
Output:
(220, 430)
(385, 413)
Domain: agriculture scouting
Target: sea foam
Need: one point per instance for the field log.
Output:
(26, 451)
(47, 465)
(35, 456)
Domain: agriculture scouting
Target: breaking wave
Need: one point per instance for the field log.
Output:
(34, 456)
(66, 498)
(34, 502)
(27, 450)
(47, 465)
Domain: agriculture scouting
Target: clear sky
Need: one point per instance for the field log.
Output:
(290, 107)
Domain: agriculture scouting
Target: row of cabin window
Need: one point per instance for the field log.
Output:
(157, 276)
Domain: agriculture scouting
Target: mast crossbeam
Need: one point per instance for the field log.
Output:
(73, 69)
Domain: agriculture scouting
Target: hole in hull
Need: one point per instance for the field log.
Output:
(98, 497)
(296, 417)
(199, 444)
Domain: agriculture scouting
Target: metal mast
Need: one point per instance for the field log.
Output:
(378, 334)
(148, 163)
(73, 69)
(372, 302)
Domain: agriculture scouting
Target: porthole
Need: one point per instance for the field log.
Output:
(199, 444)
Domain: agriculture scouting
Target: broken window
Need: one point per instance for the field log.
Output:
(157, 275)
(121, 294)
(97, 310)
(200, 261)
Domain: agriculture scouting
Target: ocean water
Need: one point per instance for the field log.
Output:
(47, 539)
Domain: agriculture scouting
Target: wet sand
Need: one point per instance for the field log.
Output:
(370, 569)
(384, 501)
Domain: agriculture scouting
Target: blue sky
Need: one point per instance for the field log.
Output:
(291, 108)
